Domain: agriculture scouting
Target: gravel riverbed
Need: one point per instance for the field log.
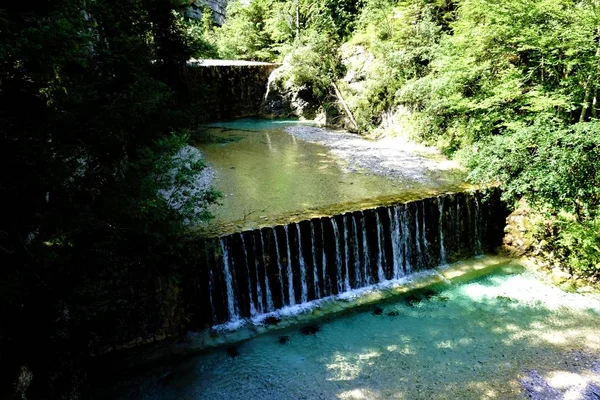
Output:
(389, 157)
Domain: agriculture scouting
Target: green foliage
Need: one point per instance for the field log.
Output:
(314, 64)
(245, 35)
(404, 39)
(91, 94)
(578, 244)
(550, 165)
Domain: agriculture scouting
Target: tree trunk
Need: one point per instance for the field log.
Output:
(346, 108)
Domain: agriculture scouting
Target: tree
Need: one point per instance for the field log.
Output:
(89, 124)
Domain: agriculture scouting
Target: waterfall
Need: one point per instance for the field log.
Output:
(424, 233)
(279, 269)
(440, 205)
(457, 217)
(259, 295)
(304, 294)
(210, 285)
(346, 252)
(270, 306)
(290, 276)
(477, 224)
(314, 258)
(418, 240)
(358, 280)
(338, 255)
(395, 235)
(366, 258)
(250, 301)
(380, 250)
(324, 265)
(410, 243)
(231, 300)
(406, 241)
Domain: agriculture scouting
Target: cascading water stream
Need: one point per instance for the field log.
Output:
(259, 295)
(477, 224)
(395, 235)
(406, 241)
(361, 248)
(302, 265)
(366, 258)
(380, 250)
(270, 305)
(279, 269)
(324, 264)
(290, 276)
(424, 239)
(443, 260)
(250, 301)
(357, 279)
(346, 256)
(314, 259)
(210, 284)
(418, 240)
(338, 255)
(231, 301)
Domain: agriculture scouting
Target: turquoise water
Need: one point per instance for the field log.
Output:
(466, 341)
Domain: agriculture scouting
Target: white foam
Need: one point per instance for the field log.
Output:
(298, 309)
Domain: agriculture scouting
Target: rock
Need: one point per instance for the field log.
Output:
(218, 8)
(272, 320)
(377, 310)
(393, 314)
(310, 329)
(412, 300)
(585, 289)
(283, 339)
(284, 100)
(232, 352)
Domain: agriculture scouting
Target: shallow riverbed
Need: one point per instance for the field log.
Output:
(280, 170)
(502, 336)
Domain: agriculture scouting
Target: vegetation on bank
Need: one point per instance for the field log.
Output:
(511, 88)
(92, 127)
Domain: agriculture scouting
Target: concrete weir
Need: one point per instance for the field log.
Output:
(253, 274)
(229, 88)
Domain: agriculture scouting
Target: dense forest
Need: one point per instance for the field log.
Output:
(94, 127)
(93, 124)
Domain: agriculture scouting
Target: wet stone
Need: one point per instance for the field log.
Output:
(310, 329)
(232, 352)
(283, 339)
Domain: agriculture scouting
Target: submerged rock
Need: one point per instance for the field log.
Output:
(283, 339)
(272, 320)
(428, 293)
(232, 352)
(310, 329)
(377, 310)
(393, 314)
(412, 300)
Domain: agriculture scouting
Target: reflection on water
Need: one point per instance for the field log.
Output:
(264, 173)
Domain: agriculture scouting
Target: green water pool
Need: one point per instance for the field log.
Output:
(267, 175)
